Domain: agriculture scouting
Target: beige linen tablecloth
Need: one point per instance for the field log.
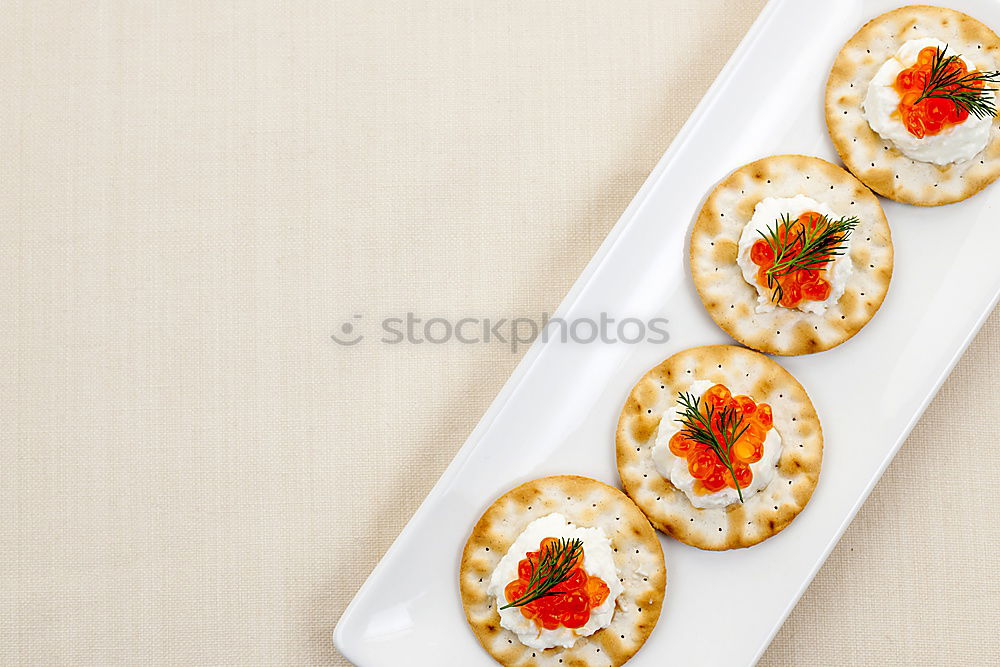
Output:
(197, 194)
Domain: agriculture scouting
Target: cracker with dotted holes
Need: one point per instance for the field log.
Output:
(587, 503)
(877, 162)
(731, 301)
(769, 510)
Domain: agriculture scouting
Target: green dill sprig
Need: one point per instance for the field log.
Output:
(950, 83)
(820, 243)
(555, 562)
(698, 427)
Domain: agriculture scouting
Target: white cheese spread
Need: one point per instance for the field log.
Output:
(881, 109)
(598, 561)
(765, 215)
(675, 468)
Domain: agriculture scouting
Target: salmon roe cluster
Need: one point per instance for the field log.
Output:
(574, 598)
(803, 284)
(931, 115)
(708, 470)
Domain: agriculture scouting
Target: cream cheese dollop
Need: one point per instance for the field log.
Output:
(954, 144)
(675, 469)
(598, 561)
(766, 214)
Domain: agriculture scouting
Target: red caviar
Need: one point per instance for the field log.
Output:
(575, 597)
(932, 115)
(710, 473)
(802, 285)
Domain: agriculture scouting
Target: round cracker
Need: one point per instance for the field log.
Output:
(875, 161)
(731, 301)
(587, 503)
(765, 513)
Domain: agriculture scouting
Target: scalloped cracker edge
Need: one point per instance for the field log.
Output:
(877, 162)
(587, 503)
(765, 513)
(731, 301)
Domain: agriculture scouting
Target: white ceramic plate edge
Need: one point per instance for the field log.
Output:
(522, 368)
(511, 386)
(870, 486)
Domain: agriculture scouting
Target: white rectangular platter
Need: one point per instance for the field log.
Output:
(557, 413)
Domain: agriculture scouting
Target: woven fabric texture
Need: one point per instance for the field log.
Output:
(196, 195)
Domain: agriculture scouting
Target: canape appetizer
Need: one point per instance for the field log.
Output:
(719, 446)
(791, 255)
(562, 571)
(911, 105)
